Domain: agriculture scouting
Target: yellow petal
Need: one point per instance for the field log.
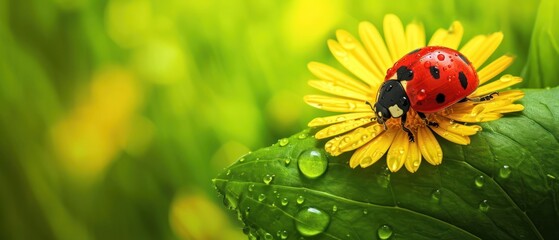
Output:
(339, 128)
(352, 140)
(397, 154)
(334, 89)
(349, 61)
(361, 57)
(448, 38)
(374, 150)
(474, 118)
(415, 35)
(499, 84)
(359, 137)
(494, 68)
(429, 147)
(511, 95)
(479, 53)
(509, 108)
(375, 45)
(394, 36)
(470, 48)
(336, 104)
(413, 158)
(460, 129)
(331, 74)
(321, 121)
(450, 136)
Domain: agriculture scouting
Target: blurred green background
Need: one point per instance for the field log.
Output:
(116, 114)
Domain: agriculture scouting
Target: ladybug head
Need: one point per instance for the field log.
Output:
(392, 101)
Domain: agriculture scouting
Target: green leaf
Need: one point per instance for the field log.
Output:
(541, 69)
(502, 186)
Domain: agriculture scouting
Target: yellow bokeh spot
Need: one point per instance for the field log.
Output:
(160, 62)
(276, 109)
(92, 134)
(128, 21)
(227, 154)
(306, 22)
(194, 216)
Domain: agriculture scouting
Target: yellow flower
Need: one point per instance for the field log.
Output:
(368, 61)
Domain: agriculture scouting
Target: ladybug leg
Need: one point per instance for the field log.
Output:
(372, 109)
(424, 118)
(483, 98)
(407, 130)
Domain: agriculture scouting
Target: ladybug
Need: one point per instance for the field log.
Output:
(427, 80)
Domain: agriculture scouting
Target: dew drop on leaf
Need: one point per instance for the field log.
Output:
(251, 187)
(479, 181)
(282, 234)
(384, 232)
(300, 200)
(268, 236)
(311, 221)
(312, 163)
(484, 206)
(268, 178)
(284, 202)
(436, 195)
(365, 211)
(287, 161)
(302, 136)
(283, 142)
(505, 171)
(334, 208)
(261, 197)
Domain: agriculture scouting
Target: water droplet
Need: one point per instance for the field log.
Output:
(384, 232)
(282, 142)
(421, 95)
(505, 171)
(247, 211)
(251, 187)
(312, 163)
(334, 208)
(383, 179)
(282, 234)
(228, 172)
(261, 197)
(479, 181)
(287, 161)
(440, 57)
(365, 211)
(284, 202)
(268, 236)
(311, 221)
(427, 64)
(300, 200)
(268, 178)
(242, 160)
(436, 195)
(484, 206)
(302, 136)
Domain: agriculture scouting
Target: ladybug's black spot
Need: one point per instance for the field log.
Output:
(440, 98)
(434, 72)
(463, 80)
(404, 73)
(463, 58)
(414, 51)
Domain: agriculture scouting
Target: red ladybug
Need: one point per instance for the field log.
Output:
(428, 80)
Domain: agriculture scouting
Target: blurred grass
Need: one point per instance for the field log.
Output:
(116, 114)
